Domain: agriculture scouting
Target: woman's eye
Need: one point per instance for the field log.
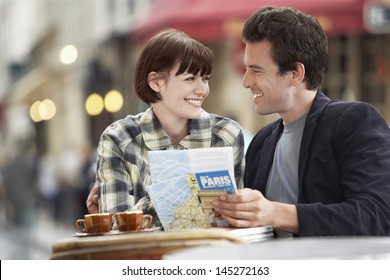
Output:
(190, 78)
(206, 78)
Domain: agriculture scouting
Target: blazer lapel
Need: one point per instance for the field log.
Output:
(267, 156)
(319, 104)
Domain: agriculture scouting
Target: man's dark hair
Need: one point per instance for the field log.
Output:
(295, 38)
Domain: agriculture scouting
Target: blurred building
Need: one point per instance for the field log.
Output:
(53, 56)
(66, 50)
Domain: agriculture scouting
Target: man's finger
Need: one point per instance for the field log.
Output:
(243, 195)
(238, 222)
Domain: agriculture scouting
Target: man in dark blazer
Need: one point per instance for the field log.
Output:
(323, 168)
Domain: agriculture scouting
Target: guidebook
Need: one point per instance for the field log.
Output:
(185, 182)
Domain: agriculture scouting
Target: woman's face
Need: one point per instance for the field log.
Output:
(182, 95)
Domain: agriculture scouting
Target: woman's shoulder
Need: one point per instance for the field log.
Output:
(125, 128)
(226, 130)
(225, 123)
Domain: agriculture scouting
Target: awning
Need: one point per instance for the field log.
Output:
(215, 20)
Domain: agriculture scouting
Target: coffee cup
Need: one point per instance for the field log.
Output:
(133, 220)
(95, 223)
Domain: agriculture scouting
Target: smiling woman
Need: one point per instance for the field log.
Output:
(171, 75)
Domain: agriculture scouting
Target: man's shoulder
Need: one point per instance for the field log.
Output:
(356, 108)
(322, 104)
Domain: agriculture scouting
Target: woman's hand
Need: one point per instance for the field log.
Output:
(93, 201)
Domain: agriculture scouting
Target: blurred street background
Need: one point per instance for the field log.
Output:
(66, 73)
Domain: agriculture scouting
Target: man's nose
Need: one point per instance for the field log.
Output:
(246, 81)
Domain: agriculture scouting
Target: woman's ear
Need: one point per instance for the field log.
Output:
(154, 81)
(298, 74)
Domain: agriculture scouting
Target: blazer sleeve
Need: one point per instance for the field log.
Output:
(360, 142)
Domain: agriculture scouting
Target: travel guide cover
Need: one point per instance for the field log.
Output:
(185, 182)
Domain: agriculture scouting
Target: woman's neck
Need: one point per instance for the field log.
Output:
(176, 128)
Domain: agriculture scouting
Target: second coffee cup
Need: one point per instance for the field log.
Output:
(134, 220)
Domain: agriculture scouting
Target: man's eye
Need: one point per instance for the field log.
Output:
(253, 70)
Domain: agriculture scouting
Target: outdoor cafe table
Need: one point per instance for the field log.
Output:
(137, 245)
(301, 248)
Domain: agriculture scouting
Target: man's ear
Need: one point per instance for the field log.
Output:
(298, 74)
(154, 81)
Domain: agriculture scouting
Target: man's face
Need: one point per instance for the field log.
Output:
(272, 92)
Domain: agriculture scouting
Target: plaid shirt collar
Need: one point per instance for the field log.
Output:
(156, 139)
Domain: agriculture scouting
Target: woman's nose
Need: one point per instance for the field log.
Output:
(202, 88)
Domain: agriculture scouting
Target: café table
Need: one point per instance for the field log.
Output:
(302, 248)
(137, 245)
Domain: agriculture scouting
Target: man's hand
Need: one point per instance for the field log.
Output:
(249, 208)
(93, 201)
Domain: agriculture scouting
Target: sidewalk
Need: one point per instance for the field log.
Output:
(42, 237)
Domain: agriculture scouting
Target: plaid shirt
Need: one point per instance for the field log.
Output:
(123, 167)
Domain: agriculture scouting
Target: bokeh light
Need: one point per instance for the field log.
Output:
(49, 107)
(94, 104)
(68, 54)
(42, 110)
(34, 111)
(113, 101)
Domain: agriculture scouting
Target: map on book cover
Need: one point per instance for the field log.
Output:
(184, 184)
(168, 164)
(176, 204)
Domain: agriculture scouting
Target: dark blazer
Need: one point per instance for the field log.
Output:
(343, 172)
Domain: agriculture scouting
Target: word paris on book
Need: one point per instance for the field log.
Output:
(215, 180)
(211, 182)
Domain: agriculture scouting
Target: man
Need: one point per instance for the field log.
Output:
(323, 168)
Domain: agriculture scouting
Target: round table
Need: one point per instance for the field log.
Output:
(138, 245)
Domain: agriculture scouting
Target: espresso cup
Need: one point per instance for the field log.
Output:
(133, 220)
(95, 223)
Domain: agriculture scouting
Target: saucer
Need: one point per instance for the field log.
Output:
(115, 232)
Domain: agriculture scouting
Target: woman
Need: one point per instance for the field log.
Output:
(172, 75)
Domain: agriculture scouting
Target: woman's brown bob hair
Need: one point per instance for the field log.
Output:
(162, 53)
